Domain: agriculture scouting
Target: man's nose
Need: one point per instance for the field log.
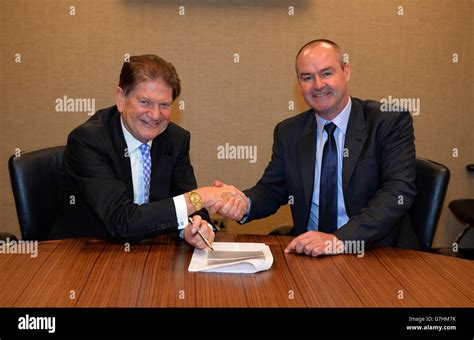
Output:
(318, 83)
(155, 112)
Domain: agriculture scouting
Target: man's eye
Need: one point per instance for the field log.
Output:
(306, 78)
(165, 106)
(327, 74)
(144, 102)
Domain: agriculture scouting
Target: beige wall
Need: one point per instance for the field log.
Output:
(79, 56)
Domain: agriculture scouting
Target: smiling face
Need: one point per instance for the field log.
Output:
(146, 110)
(323, 80)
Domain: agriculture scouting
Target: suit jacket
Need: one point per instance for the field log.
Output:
(97, 195)
(378, 175)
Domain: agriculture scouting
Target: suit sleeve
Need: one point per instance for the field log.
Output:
(88, 163)
(270, 192)
(396, 191)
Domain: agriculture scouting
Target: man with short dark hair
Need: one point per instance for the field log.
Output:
(127, 172)
(346, 167)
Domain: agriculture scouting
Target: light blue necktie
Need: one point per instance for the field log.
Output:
(145, 149)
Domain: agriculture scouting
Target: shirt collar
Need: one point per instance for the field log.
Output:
(132, 142)
(341, 120)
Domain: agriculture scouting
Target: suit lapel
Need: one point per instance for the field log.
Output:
(355, 138)
(306, 147)
(161, 151)
(121, 151)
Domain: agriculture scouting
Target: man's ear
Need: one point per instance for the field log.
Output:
(119, 98)
(347, 71)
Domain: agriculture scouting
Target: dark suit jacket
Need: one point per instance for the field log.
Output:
(378, 175)
(97, 198)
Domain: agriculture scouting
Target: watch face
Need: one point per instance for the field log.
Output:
(195, 200)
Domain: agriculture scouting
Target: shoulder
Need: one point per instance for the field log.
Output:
(296, 123)
(375, 114)
(96, 127)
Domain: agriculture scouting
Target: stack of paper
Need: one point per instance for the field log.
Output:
(231, 257)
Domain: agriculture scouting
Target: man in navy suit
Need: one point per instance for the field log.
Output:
(127, 172)
(346, 168)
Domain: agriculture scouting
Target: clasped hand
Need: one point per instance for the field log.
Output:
(229, 201)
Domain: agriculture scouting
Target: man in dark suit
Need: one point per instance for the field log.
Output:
(346, 168)
(127, 172)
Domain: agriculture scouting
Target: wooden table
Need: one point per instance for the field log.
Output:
(95, 273)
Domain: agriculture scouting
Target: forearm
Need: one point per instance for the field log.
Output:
(265, 201)
(271, 191)
(132, 222)
(380, 216)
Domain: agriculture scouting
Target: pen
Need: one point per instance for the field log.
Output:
(202, 236)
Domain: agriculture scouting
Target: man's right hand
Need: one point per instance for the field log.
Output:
(234, 204)
(191, 236)
(223, 199)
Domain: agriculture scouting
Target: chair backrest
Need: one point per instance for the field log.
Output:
(431, 183)
(35, 178)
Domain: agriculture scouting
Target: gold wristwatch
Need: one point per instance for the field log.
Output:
(195, 199)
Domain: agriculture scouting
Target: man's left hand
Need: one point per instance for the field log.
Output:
(315, 243)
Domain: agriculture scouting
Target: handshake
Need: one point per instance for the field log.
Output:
(225, 200)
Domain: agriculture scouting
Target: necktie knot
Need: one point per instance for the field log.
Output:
(145, 149)
(330, 128)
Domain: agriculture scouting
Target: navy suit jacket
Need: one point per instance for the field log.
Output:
(378, 175)
(97, 195)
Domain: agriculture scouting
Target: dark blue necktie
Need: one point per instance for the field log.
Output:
(328, 184)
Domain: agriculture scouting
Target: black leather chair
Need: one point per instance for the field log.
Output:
(35, 179)
(432, 183)
(463, 209)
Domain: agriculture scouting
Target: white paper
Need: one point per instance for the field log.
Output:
(201, 263)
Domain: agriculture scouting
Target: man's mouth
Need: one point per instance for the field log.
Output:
(320, 95)
(150, 124)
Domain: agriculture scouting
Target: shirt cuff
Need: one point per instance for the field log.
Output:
(246, 216)
(181, 211)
